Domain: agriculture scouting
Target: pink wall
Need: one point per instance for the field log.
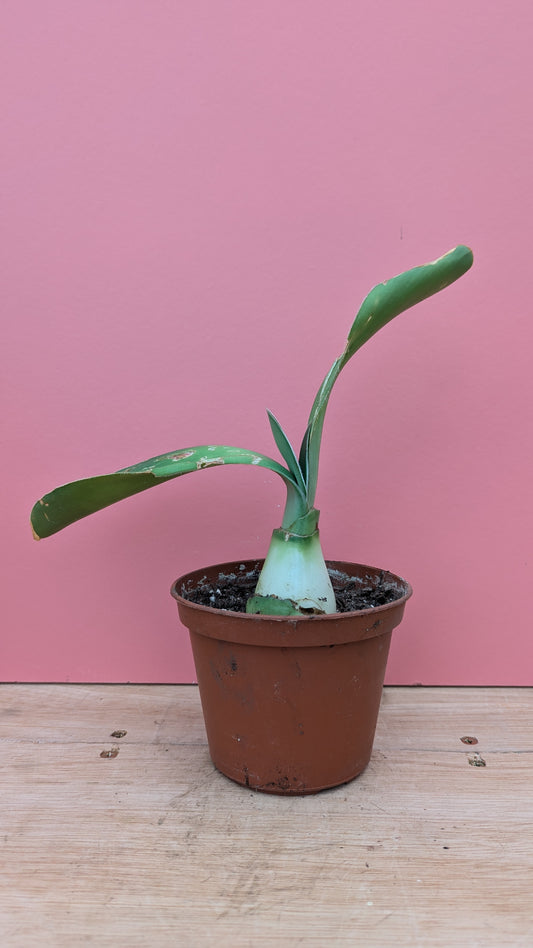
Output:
(196, 198)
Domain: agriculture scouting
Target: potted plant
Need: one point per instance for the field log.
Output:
(290, 651)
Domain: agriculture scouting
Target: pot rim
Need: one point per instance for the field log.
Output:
(294, 630)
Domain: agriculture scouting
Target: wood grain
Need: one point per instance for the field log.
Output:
(152, 847)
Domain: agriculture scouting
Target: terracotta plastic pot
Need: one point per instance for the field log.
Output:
(290, 703)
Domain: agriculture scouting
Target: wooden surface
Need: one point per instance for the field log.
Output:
(150, 846)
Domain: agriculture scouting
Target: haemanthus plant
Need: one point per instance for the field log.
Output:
(294, 578)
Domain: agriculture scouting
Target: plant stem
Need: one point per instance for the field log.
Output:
(295, 572)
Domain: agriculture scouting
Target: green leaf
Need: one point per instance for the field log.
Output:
(78, 499)
(271, 606)
(382, 304)
(286, 450)
(393, 297)
(303, 458)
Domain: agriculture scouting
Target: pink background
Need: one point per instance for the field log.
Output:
(197, 196)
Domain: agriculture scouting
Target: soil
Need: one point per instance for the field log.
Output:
(233, 590)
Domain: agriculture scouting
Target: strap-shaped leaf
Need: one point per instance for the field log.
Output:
(382, 304)
(78, 499)
(286, 450)
(393, 297)
(303, 458)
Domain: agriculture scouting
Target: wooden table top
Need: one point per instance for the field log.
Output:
(117, 831)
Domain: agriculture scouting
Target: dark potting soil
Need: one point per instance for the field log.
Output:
(351, 594)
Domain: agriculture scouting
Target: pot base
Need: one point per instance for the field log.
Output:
(283, 784)
(284, 789)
